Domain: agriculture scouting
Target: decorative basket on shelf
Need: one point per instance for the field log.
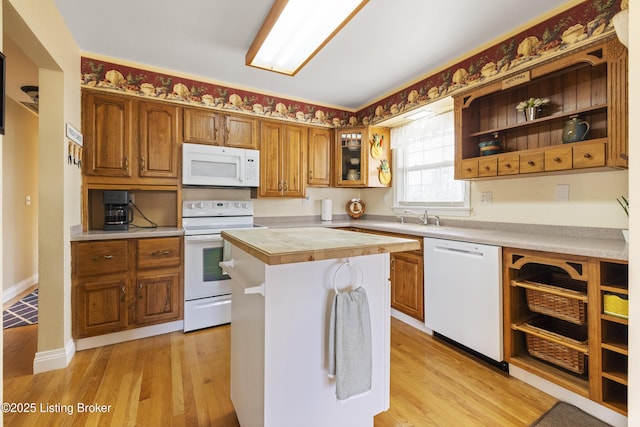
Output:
(551, 350)
(560, 297)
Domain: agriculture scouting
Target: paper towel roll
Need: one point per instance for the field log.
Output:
(327, 208)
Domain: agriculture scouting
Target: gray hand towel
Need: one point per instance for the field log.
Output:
(350, 343)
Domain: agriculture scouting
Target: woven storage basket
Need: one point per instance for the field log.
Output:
(558, 306)
(554, 352)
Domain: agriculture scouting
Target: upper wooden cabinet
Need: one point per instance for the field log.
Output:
(591, 84)
(159, 127)
(319, 157)
(129, 141)
(108, 130)
(213, 128)
(362, 157)
(282, 160)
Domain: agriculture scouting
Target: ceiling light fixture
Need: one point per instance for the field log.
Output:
(32, 92)
(295, 30)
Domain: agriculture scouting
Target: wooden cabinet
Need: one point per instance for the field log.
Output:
(362, 157)
(282, 160)
(591, 84)
(556, 325)
(213, 128)
(124, 284)
(158, 294)
(407, 283)
(159, 140)
(319, 157)
(108, 131)
(128, 141)
(613, 334)
(407, 276)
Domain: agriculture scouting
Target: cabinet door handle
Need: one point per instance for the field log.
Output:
(286, 186)
(142, 167)
(587, 156)
(531, 163)
(393, 263)
(123, 289)
(139, 290)
(468, 169)
(126, 162)
(165, 252)
(507, 165)
(557, 159)
(487, 168)
(279, 185)
(107, 257)
(310, 174)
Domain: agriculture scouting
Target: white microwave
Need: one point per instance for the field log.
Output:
(215, 166)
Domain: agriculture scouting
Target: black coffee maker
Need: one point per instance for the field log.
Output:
(117, 213)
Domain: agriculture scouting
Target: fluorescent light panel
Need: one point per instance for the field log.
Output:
(295, 30)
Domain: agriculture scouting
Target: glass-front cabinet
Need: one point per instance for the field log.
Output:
(363, 157)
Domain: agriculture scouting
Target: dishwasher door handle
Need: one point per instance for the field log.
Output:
(459, 251)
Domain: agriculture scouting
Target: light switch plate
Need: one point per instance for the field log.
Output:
(486, 197)
(562, 192)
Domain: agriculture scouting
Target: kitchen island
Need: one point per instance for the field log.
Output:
(284, 282)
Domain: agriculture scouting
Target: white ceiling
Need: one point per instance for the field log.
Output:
(388, 45)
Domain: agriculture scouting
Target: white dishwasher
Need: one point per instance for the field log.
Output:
(463, 295)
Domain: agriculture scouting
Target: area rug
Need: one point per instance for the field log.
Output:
(22, 313)
(565, 415)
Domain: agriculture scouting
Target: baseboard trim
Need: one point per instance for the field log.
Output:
(603, 413)
(51, 360)
(410, 321)
(19, 288)
(128, 335)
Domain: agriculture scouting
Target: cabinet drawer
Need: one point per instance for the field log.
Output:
(531, 162)
(469, 169)
(558, 159)
(508, 164)
(103, 257)
(589, 155)
(160, 252)
(488, 167)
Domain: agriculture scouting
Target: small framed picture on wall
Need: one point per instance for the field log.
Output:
(3, 94)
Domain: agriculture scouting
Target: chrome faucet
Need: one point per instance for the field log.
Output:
(424, 218)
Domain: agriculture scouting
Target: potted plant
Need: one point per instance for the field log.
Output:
(531, 107)
(624, 202)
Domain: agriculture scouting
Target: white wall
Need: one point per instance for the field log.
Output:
(20, 221)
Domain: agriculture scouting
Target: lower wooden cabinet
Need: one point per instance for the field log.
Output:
(407, 277)
(407, 283)
(124, 284)
(565, 320)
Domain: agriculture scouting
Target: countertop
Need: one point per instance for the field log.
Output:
(599, 243)
(291, 245)
(584, 241)
(131, 233)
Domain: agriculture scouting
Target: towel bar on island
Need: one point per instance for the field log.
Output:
(347, 262)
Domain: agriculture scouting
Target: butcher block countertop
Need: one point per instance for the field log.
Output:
(291, 245)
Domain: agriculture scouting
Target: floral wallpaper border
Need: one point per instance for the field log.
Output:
(580, 25)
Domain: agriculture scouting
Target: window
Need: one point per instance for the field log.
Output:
(423, 153)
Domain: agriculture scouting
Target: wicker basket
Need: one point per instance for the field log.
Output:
(562, 307)
(554, 352)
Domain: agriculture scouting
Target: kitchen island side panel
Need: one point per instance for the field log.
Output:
(296, 309)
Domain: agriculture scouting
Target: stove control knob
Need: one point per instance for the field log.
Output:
(200, 205)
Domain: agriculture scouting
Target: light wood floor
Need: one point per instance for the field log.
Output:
(183, 380)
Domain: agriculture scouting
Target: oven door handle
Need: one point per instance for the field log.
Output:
(204, 238)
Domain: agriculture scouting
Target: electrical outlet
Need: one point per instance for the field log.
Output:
(486, 197)
(562, 192)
